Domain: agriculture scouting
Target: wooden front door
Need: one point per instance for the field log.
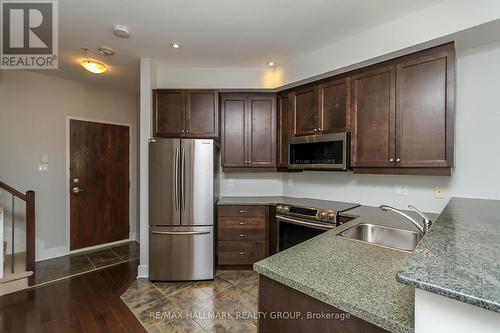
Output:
(98, 184)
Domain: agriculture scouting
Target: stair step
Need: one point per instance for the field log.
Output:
(8, 277)
(11, 286)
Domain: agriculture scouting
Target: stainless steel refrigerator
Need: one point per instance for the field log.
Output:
(183, 190)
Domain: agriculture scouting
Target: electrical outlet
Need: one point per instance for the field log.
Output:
(230, 181)
(439, 192)
(290, 182)
(45, 158)
(400, 189)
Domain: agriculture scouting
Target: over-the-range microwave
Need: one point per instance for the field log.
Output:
(319, 152)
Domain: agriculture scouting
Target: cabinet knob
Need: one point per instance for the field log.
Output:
(398, 160)
(391, 160)
(243, 211)
(182, 131)
(242, 223)
(242, 253)
(249, 161)
(320, 129)
(315, 130)
(242, 235)
(187, 131)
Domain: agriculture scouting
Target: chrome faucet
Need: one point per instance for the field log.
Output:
(423, 227)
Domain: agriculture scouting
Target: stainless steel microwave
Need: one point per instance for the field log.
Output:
(319, 152)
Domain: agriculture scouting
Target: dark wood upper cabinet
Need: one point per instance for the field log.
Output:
(424, 110)
(261, 130)
(373, 118)
(185, 113)
(233, 120)
(248, 130)
(168, 111)
(334, 106)
(202, 114)
(305, 111)
(285, 129)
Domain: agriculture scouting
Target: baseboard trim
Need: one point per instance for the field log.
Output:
(44, 254)
(100, 246)
(143, 271)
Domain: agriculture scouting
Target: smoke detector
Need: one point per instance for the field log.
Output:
(121, 31)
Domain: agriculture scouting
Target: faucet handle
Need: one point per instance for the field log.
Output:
(427, 220)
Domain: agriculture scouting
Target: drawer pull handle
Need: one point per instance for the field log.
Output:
(242, 253)
(242, 223)
(243, 211)
(242, 235)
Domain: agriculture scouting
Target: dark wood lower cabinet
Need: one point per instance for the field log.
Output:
(285, 309)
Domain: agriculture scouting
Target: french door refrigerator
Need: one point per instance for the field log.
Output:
(183, 189)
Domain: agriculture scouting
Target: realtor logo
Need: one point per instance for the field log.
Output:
(29, 35)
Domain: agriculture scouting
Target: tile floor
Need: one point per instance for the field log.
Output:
(73, 264)
(227, 304)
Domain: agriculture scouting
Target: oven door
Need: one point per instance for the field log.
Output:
(292, 231)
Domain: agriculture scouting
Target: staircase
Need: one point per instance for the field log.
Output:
(17, 268)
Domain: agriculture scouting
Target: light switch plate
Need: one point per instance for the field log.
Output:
(400, 189)
(43, 167)
(439, 192)
(45, 158)
(290, 182)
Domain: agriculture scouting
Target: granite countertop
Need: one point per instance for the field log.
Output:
(273, 200)
(353, 276)
(460, 256)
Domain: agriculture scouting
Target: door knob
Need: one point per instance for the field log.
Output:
(76, 190)
(76, 180)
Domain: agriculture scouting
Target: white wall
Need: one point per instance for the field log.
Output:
(219, 78)
(33, 110)
(248, 184)
(435, 22)
(477, 149)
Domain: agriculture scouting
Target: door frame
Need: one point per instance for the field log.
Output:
(67, 182)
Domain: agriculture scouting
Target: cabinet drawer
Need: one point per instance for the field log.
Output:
(256, 211)
(242, 234)
(241, 222)
(240, 253)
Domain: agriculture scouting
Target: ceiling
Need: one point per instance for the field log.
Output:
(213, 33)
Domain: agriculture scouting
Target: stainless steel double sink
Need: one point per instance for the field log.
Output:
(394, 238)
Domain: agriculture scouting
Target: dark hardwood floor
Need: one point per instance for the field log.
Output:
(86, 303)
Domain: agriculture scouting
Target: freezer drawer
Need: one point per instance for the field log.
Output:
(181, 253)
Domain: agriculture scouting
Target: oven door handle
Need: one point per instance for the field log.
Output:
(304, 223)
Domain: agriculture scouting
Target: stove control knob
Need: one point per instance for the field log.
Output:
(323, 216)
(331, 217)
(286, 209)
(279, 209)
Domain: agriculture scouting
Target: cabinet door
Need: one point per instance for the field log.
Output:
(202, 114)
(285, 127)
(424, 111)
(261, 130)
(334, 106)
(373, 108)
(305, 109)
(233, 107)
(168, 110)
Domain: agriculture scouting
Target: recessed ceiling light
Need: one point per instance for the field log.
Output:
(93, 66)
(121, 31)
(106, 51)
(175, 45)
(271, 63)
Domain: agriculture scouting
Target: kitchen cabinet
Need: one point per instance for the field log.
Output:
(402, 115)
(248, 131)
(305, 111)
(373, 114)
(334, 105)
(275, 297)
(285, 129)
(242, 235)
(185, 113)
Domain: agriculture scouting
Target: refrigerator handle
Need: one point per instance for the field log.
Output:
(183, 179)
(176, 167)
(180, 232)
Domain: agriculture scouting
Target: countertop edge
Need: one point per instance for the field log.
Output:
(358, 312)
(449, 293)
